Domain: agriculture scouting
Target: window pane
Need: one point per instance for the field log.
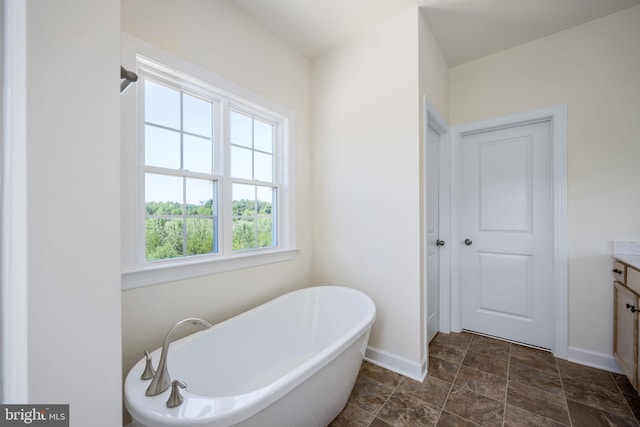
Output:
(198, 115)
(161, 105)
(163, 238)
(265, 232)
(241, 129)
(263, 169)
(265, 200)
(244, 234)
(197, 154)
(241, 164)
(161, 147)
(164, 189)
(200, 194)
(244, 200)
(262, 136)
(199, 236)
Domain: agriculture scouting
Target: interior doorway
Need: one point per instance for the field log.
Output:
(436, 221)
(507, 231)
(434, 242)
(557, 316)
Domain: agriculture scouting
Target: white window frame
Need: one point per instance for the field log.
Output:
(166, 68)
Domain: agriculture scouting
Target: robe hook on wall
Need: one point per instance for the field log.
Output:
(126, 77)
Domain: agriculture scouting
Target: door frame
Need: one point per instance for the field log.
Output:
(557, 116)
(13, 221)
(432, 119)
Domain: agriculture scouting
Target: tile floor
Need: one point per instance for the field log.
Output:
(474, 380)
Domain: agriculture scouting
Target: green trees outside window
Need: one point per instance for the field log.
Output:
(165, 228)
(251, 230)
(188, 209)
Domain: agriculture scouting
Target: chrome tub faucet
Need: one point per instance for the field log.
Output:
(161, 380)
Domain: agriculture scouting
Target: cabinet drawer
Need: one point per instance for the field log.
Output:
(633, 279)
(619, 272)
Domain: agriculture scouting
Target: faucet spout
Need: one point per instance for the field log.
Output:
(161, 380)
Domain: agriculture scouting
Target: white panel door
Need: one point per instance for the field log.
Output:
(507, 233)
(432, 225)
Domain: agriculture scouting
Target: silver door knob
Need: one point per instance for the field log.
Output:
(468, 242)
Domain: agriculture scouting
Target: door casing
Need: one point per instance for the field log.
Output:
(15, 334)
(452, 309)
(433, 120)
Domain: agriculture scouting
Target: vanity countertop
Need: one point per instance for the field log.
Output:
(632, 260)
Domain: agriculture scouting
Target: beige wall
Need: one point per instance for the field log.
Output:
(366, 163)
(434, 87)
(434, 71)
(73, 217)
(216, 36)
(595, 69)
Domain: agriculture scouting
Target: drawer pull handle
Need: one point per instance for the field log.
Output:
(615, 270)
(632, 308)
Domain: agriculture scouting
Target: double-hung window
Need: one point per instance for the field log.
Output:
(254, 190)
(180, 188)
(212, 173)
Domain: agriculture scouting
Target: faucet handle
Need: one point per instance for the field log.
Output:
(176, 399)
(149, 372)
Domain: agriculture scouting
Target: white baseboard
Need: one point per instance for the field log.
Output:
(418, 371)
(593, 359)
(398, 364)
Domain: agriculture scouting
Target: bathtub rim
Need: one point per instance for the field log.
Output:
(264, 396)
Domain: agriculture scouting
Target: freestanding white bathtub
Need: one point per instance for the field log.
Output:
(292, 361)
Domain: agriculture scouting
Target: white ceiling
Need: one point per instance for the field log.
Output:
(465, 29)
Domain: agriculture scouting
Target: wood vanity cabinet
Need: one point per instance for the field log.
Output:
(626, 305)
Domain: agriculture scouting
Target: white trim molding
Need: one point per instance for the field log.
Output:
(557, 115)
(593, 359)
(15, 360)
(398, 364)
(432, 119)
(195, 268)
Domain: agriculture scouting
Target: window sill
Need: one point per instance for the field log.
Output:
(163, 273)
